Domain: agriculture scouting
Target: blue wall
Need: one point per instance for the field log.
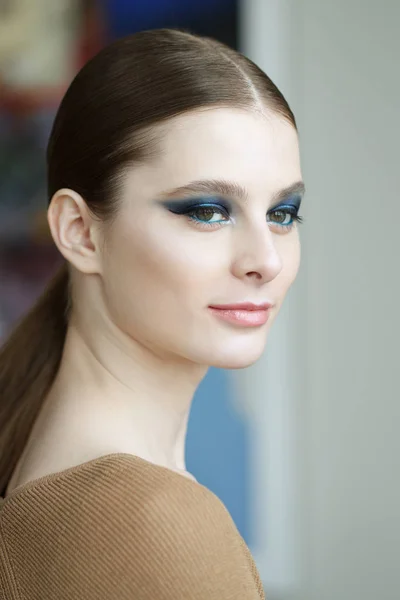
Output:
(217, 447)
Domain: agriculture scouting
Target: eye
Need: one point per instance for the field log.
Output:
(208, 215)
(202, 213)
(286, 216)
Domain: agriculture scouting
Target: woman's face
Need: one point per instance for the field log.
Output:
(166, 261)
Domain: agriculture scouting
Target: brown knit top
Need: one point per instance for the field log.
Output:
(121, 528)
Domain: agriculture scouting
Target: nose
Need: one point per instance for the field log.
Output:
(256, 255)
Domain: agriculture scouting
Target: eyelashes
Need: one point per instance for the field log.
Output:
(182, 207)
(206, 212)
(291, 211)
(202, 214)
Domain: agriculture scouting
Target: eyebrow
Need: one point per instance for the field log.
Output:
(229, 189)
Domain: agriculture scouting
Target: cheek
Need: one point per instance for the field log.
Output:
(161, 269)
(292, 260)
(291, 255)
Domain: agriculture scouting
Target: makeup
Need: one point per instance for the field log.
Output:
(289, 211)
(243, 314)
(214, 212)
(180, 207)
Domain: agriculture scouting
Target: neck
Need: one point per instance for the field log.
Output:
(114, 395)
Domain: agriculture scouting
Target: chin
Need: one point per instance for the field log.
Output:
(236, 358)
(238, 362)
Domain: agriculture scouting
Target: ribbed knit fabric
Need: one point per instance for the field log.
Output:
(119, 527)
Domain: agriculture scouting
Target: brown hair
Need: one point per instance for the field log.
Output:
(105, 122)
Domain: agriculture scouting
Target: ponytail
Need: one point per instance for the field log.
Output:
(29, 361)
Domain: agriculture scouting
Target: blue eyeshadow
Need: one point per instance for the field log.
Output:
(293, 202)
(182, 206)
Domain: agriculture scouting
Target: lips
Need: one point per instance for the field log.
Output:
(243, 306)
(243, 314)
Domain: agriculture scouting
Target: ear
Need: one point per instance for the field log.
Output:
(74, 231)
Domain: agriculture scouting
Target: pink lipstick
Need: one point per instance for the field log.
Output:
(245, 314)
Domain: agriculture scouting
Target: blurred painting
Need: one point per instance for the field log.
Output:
(42, 45)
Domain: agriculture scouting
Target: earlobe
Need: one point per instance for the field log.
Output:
(74, 230)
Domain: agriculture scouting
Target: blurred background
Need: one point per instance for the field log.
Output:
(303, 447)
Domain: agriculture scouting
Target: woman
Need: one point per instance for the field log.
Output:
(175, 184)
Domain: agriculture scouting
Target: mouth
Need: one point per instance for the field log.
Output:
(245, 314)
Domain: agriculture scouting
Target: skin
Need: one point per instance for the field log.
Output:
(141, 335)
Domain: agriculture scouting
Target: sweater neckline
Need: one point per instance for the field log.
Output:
(39, 481)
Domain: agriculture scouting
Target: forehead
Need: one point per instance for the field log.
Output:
(259, 152)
